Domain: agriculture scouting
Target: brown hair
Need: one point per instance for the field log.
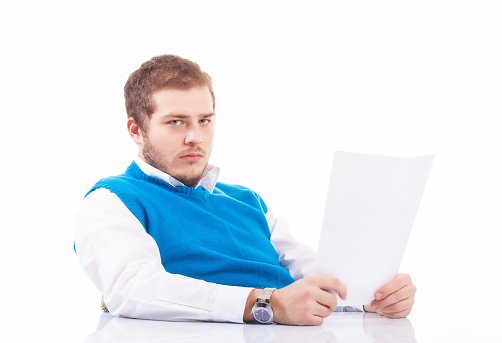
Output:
(159, 73)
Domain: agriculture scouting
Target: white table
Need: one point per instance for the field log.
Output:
(339, 327)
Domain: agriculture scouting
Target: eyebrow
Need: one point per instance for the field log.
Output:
(184, 116)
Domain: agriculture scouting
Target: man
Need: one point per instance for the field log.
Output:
(166, 241)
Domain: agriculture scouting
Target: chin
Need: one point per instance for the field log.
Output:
(191, 179)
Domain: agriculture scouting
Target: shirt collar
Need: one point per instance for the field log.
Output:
(208, 181)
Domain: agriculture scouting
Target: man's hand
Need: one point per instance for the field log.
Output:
(395, 299)
(304, 302)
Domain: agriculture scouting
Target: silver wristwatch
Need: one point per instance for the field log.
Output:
(262, 311)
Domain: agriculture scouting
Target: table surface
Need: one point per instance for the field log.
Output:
(339, 327)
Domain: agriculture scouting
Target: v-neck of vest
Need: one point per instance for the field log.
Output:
(136, 171)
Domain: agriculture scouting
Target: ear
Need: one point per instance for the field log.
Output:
(134, 131)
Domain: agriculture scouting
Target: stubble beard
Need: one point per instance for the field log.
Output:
(150, 154)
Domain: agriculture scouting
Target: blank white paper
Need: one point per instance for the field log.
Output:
(371, 205)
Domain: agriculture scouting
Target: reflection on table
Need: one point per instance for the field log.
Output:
(339, 327)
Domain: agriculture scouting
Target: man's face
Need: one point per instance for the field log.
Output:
(179, 138)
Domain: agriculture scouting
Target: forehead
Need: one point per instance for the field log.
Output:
(193, 101)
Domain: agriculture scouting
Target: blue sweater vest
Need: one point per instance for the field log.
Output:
(221, 237)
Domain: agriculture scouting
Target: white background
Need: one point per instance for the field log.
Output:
(293, 83)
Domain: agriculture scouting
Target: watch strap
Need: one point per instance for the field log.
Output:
(265, 295)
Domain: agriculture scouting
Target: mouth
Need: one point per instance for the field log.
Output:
(193, 157)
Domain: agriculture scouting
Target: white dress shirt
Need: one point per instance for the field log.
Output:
(124, 263)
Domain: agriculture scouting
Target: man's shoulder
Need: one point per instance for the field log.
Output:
(110, 183)
(132, 179)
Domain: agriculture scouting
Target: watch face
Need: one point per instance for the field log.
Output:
(262, 315)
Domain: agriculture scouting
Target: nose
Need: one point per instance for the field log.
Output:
(193, 136)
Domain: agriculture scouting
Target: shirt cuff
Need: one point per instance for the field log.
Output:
(229, 304)
(349, 309)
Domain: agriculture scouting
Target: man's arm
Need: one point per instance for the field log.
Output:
(124, 263)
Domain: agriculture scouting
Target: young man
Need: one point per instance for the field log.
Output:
(166, 241)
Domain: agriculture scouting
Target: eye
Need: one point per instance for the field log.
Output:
(175, 122)
(204, 121)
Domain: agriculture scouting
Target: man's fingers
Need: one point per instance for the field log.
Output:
(398, 282)
(322, 311)
(396, 298)
(404, 293)
(397, 307)
(306, 301)
(327, 300)
(329, 283)
(341, 290)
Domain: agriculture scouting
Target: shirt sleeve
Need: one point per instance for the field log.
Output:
(124, 263)
(298, 258)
